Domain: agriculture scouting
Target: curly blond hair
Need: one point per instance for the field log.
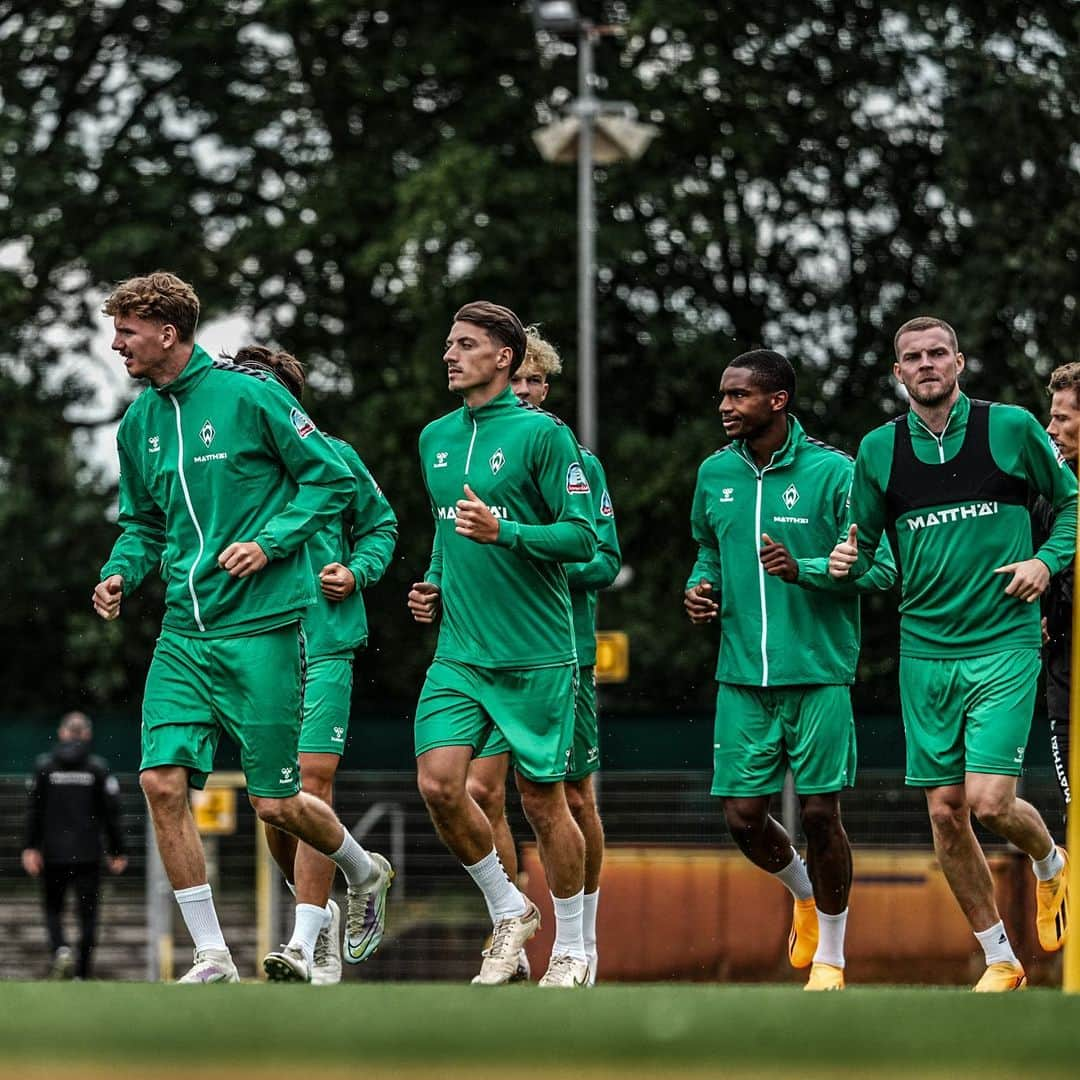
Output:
(160, 297)
(540, 355)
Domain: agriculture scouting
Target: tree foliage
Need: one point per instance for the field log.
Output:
(348, 173)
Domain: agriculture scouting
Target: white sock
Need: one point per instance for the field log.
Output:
(588, 921)
(795, 878)
(197, 908)
(1053, 864)
(995, 944)
(569, 940)
(309, 921)
(830, 947)
(503, 898)
(328, 916)
(354, 861)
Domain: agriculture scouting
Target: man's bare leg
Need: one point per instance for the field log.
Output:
(486, 786)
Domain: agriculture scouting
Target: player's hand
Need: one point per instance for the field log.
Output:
(243, 559)
(1029, 579)
(32, 862)
(777, 560)
(336, 581)
(475, 520)
(425, 601)
(699, 604)
(1045, 631)
(117, 863)
(107, 596)
(843, 556)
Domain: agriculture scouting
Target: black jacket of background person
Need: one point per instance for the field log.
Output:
(73, 799)
(1057, 607)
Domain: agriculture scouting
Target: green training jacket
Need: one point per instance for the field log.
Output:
(587, 579)
(972, 519)
(223, 454)
(507, 604)
(362, 539)
(774, 633)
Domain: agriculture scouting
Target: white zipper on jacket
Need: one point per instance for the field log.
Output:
(939, 439)
(761, 583)
(191, 514)
(468, 457)
(760, 474)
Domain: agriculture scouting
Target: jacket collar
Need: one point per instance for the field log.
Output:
(501, 402)
(781, 457)
(957, 421)
(195, 370)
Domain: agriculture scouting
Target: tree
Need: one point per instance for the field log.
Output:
(349, 173)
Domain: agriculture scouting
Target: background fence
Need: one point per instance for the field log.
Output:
(437, 922)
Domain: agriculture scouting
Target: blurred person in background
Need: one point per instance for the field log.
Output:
(1064, 429)
(491, 766)
(73, 801)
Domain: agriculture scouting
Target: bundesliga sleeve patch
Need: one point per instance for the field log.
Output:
(304, 424)
(576, 483)
(605, 505)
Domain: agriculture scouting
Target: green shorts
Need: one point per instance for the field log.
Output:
(762, 731)
(971, 714)
(585, 755)
(533, 709)
(327, 700)
(248, 687)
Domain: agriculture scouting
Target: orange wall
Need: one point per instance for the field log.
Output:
(698, 914)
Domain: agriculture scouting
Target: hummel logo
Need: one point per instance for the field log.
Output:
(207, 433)
(155, 444)
(727, 496)
(440, 459)
(339, 735)
(286, 775)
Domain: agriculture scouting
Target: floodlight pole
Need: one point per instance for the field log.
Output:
(586, 108)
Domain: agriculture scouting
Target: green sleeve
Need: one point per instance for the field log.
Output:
(868, 509)
(571, 536)
(814, 572)
(142, 522)
(374, 527)
(1052, 478)
(707, 566)
(434, 570)
(602, 569)
(324, 483)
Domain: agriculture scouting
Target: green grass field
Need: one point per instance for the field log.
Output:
(121, 1031)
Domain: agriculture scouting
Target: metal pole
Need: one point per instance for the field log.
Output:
(587, 108)
(1071, 964)
(159, 962)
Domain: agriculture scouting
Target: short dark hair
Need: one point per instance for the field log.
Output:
(76, 719)
(771, 371)
(282, 365)
(501, 323)
(924, 322)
